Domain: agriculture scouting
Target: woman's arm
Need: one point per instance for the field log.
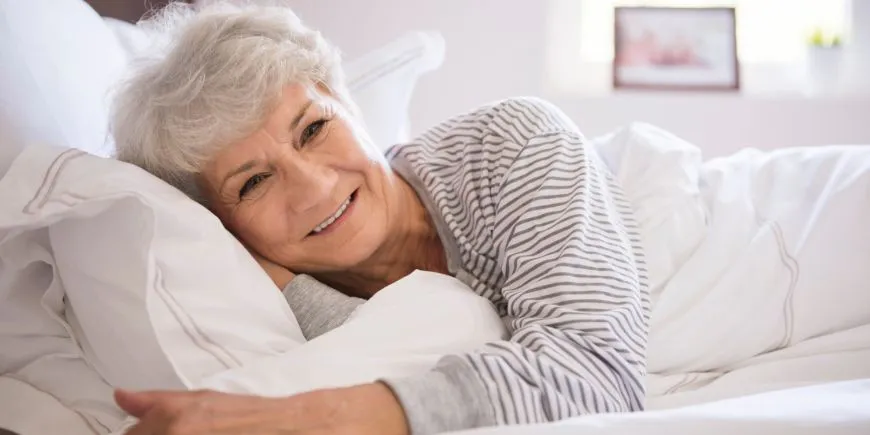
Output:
(575, 291)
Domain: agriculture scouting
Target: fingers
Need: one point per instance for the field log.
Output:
(135, 404)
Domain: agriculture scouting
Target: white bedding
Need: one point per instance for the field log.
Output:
(401, 331)
(19, 399)
(758, 264)
(841, 408)
(805, 206)
(829, 409)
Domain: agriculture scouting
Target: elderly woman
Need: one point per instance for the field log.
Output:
(248, 114)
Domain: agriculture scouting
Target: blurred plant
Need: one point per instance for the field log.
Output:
(819, 38)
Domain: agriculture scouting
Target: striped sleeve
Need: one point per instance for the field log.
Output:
(575, 285)
(573, 288)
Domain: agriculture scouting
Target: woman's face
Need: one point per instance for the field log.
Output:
(307, 190)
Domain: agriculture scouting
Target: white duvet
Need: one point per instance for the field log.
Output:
(759, 264)
(759, 275)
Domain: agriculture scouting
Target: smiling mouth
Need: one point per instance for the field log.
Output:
(333, 220)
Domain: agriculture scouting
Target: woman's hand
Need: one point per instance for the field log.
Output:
(364, 409)
(280, 275)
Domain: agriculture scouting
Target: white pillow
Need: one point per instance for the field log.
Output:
(382, 83)
(383, 338)
(161, 280)
(155, 300)
(36, 341)
(133, 39)
(59, 64)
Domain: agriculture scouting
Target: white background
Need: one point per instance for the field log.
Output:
(499, 48)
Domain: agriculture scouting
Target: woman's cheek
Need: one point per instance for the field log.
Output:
(248, 225)
(269, 221)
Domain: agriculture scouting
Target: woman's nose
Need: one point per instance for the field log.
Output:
(309, 183)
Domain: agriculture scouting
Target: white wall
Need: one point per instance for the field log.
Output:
(496, 49)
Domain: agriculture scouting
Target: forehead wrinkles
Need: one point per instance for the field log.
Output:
(268, 137)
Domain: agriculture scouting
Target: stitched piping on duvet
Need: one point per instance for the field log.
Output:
(84, 418)
(385, 68)
(174, 306)
(52, 168)
(193, 332)
(794, 271)
(683, 382)
(47, 197)
(49, 181)
(68, 199)
(399, 61)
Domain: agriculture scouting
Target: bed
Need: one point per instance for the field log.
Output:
(746, 336)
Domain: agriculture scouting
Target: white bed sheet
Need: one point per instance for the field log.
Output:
(47, 415)
(841, 408)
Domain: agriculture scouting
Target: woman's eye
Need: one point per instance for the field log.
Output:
(312, 130)
(252, 183)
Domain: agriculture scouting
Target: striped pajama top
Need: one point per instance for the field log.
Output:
(531, 219)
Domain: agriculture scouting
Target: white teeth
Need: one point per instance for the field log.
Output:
(332, 218)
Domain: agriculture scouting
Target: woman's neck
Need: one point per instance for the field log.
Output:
(413, 244)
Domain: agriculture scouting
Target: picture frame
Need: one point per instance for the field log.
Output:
(676, 48)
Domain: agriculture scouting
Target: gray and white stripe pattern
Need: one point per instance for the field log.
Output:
(543, 232)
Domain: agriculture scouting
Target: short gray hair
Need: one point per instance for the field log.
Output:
(218, 73)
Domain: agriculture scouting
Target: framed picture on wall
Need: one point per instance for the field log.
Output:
(675, 49)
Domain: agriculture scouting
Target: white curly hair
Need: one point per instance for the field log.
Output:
(214, 75)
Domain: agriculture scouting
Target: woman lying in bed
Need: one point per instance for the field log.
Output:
(248, 114)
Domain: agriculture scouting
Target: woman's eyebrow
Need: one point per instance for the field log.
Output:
(244, 167)
(300, 115)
